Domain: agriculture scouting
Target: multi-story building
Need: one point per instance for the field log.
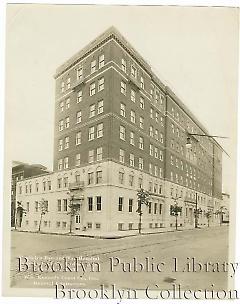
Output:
(118, 128)
(19, 172)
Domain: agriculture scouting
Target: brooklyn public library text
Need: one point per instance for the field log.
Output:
(148, 264)
(150, 292)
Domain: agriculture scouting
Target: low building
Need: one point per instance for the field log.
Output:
(20, 171)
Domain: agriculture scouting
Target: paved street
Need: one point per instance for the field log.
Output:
(205, 245)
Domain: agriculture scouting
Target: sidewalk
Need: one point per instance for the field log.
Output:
(119, 234)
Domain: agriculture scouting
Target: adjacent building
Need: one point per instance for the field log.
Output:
(21, 171)
(118, 128)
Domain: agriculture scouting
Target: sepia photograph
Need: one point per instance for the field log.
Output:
(120, 152)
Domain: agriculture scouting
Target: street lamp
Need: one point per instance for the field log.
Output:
(143, 197)
(197, 211)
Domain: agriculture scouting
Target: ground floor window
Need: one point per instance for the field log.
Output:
(77, 219)
(89, 225)
(130, 226)
(98, 226)
(64, 225)
(120, 226)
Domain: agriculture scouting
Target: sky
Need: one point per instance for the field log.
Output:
(193, 50)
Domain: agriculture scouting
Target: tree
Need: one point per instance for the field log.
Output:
(208, 215)
(43, 207)
(143, 197)
(174, 211)
(74, 207)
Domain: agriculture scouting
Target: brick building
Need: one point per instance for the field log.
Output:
(118, 128)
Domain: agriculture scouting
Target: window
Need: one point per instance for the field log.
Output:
(155, 208)
(161, 138)
(90, 204)
(98, 226)
(93, 66)
(120, 204)
(100, 107)
(161, 121)
(121, 156)
(92, 111)
(100, 130)
(155, 170)
(151, 131)
(151, 149)
(156, 134)
(60, 164)
(172, 126)
(99, 153)
(79, 96)
(132, 138)
(133, 71)
(161, 155)
(91, 156)
(68, 103)
(67, 120)
(61, 106)
(156, 116)
(78, 159)
(124, 65)
(64, 205)
(123, 110)
(90, 178)
(60, 125)
(60, 145)
(101, 61)
(66, 163)
(66, 145)
(92, 89)
(28, 206)
(37, 186)
(99, 177)
(121, 177)
(150, 208)
(156, 152)
(68, 83)
(44, 186)
(36, 206)
(89, 225)
(150, 168)
(59, 183)
(142, 82)
(140, 163)
(122, 133)
(131, 180)
(133, 96)
(65, 182)
(141, 103)
(99, 203)
(141, 143)
(123, 88)
(151, 113)
(49, 185)
(62, 86)
(91, 133)
(130, 205)
(78, 138)
(131, 160)
(171, 160)
(77, 219)
(79, 73)
(100, 84)
(141, 122)
(130, 226)
(133, 117)
(140, 182)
